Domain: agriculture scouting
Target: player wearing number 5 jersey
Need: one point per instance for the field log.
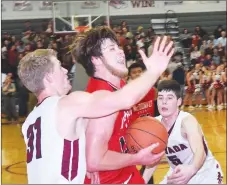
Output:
(187, 152)
(54, 132)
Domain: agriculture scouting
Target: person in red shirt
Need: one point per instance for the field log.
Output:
(104, 61)
(146, 106)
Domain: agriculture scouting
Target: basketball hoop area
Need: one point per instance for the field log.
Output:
(78, 16)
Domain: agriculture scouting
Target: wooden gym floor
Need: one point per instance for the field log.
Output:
(213, 124)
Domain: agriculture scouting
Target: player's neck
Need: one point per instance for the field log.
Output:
(107, 76)
(170, 120)
(44, 94)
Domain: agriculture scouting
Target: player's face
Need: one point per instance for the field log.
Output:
(60, 83)
(113, 58)
(135, 73)
(168, 103)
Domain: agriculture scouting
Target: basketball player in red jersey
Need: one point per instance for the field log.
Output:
(54, 132)
(98, 51)
(146, 106)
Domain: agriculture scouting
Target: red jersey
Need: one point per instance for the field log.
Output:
(127, 175)
(145, 107)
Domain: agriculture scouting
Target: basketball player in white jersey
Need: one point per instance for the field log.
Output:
(190, 160)
(54, 132)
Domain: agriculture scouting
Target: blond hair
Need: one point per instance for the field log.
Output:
(33, 67)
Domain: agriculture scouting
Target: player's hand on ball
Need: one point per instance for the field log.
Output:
(181, 175)
(146, 157)
(159, 60)
(94, 176)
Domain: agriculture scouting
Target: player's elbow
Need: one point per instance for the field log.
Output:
(92, 164)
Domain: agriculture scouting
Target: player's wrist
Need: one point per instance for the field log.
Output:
(194, 169)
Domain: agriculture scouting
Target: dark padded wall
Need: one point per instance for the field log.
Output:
(208, 20)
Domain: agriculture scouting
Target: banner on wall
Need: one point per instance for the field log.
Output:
(167, 3)
(22, 6)
(118, 4)
(142, 3)
(46, 5)
(90, 5)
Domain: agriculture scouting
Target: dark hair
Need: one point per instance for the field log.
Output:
(88, 45)
(170, 85)
(136, 65)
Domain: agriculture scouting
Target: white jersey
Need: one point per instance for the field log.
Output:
(50, 158)
(178, 152)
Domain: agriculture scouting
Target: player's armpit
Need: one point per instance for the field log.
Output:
(195, 137)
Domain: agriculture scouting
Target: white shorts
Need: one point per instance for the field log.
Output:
(210, 173)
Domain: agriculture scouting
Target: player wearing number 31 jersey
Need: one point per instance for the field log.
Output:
(187, 152)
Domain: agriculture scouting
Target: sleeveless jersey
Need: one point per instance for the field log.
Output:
(50, 158)
(178, 149)
(178, 152)
(127, 175)
(145, 107)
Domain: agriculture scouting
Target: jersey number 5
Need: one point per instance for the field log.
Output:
(34, 134)
(174, 160)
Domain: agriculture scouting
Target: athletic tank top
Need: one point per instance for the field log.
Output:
(145, 107)
(50, 158)
(178, 149)
(117, 141)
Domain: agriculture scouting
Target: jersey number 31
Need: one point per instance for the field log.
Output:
(34, 138)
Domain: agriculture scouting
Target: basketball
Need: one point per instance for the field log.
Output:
(144, 132)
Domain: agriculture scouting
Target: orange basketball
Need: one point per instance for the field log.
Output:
(145, 131)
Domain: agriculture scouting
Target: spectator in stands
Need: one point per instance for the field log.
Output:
(203, 47)
(216, 58)
(209, 50)
(150, 34)
(4, 55)
(8, 91)
(221, 50)
(186, 38)
(200, 31)
(207, 61)
(195, 40)
(12, 59)
(217, 31)
(20, 48)
(195, 54)
(179, 76)
(222, 39)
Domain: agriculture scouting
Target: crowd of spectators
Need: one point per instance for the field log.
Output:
(205, 49)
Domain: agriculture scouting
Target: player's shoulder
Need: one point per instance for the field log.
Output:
(95, 84)
(187, 118)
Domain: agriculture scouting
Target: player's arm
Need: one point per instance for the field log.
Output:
(99, 158)
(148, 173)
(195, 137)
(102, 103)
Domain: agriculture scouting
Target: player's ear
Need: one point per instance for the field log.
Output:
(96, 61)
(179, 102)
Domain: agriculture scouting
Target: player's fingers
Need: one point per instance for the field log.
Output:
(171, 53)
(152, 147)
(159, 155)
(163, 43)
(156, 44)
(168, 48)
(142, 54)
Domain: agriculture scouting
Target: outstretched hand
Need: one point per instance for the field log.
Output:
(159, 60)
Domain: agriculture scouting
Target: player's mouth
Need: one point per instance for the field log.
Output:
(121, 61)
(164, 109)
